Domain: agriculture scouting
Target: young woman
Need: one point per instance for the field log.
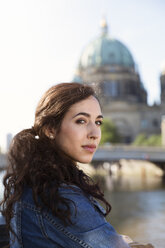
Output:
(48, 200)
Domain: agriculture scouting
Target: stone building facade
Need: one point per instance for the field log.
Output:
(107, 64)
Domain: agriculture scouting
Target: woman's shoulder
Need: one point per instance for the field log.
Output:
(71, 192)
(69, 188)
(64, 189)
(76, 196)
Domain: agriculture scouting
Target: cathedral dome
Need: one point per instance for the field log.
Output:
(105, 50)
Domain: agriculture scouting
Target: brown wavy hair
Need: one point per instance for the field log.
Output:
(36, 162)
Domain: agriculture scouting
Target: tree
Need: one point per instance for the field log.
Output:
(140, 139)
(110, 133)
(143, 140)
(154, 140)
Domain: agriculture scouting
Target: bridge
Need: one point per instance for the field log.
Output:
(112, 154)
(115, 153)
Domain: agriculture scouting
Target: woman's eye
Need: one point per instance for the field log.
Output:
(99, 123)
(80, 121)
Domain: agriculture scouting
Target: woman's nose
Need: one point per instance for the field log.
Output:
(94, 132)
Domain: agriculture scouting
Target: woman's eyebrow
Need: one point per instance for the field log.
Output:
(87, 115)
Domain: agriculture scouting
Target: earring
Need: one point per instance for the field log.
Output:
(51, 136)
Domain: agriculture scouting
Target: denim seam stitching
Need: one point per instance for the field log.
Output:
(67, 233)
(40, 220)
(19, 224)
(31, 207)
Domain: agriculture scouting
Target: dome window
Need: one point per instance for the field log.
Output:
(111, 55)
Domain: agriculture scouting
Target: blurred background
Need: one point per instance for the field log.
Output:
(118, 47)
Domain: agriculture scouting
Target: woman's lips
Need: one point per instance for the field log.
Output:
(90, 148)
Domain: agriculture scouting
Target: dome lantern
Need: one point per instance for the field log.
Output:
(104, 27)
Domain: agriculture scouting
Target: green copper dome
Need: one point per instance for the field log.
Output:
(106, 51)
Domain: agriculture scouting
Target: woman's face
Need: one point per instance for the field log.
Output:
(80, 131)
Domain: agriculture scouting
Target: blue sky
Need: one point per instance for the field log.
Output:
(42, 40)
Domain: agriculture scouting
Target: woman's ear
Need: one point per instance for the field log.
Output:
(50, 133)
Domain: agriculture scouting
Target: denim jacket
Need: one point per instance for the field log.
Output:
(40, 229)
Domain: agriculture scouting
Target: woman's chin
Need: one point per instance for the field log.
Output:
(85, 160)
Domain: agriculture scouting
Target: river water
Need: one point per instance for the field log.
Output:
(138, 208)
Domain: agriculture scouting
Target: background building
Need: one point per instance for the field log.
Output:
(9, 137)
(108, 65)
